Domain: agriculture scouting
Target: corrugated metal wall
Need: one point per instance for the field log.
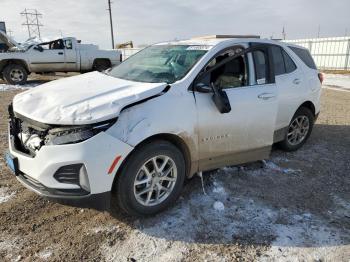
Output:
(329, 53)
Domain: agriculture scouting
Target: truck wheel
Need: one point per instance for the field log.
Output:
(15, 74)
(151, 179)
(299, 130)
(101, 65)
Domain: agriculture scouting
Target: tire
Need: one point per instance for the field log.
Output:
(302, 116)
(129, 196)
(101, 65)
(15, 74)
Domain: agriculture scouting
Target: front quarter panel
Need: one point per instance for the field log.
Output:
(171, 113)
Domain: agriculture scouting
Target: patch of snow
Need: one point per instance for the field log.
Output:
(5, 195)
(337, 80)
(219, 206)
(221, 217)
(218, 188)
(273, 167)
(45, 254)
(5, 87)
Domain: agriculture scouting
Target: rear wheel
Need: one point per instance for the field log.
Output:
(151, 179)
(15, 74)
(299, 130)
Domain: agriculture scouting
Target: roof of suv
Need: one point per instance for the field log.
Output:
(217, 39)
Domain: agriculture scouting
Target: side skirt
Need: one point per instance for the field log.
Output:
(235, 158)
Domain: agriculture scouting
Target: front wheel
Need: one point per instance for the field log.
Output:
(299, 130)
(15, 74)
(151, 179)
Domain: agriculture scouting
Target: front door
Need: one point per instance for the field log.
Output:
(50, 58)
(246, 132)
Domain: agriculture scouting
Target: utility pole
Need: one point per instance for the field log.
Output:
(111, 21)
(284, 34)
(32, 22)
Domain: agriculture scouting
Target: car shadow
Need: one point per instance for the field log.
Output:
(293, 199)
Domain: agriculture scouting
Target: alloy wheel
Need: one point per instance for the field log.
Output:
(155, 180)
(298, 130)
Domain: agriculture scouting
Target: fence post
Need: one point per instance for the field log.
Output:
(347, 56)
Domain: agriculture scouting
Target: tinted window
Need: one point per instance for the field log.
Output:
(278, 60)
(260, 67)
(305, 56)
(288, 62)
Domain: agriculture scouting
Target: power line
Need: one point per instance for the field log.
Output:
(111, 22)
(32, 22)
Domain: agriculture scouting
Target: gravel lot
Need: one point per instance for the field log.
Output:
(292, 207)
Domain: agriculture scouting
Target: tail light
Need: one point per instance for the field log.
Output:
(321, 77)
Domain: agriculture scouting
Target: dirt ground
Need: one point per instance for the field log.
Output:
(292, 207)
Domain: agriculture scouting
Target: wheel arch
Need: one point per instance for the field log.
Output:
(101, 59)
(171, 138)
(6, 62)
(309, 105)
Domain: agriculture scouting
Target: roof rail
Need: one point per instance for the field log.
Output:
(225, 36)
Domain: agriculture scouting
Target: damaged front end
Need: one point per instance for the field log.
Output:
(28, 136)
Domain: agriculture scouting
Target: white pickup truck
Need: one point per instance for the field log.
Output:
(60, 55)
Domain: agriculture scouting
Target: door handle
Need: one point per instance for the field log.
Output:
(266, 96)
(296, 81)
(60, 53)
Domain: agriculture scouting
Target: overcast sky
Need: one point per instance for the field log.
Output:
(146, 22)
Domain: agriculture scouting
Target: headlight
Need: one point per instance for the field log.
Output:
(75, 134)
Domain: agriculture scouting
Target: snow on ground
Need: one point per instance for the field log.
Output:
(5, 87)
(5, 195)
(216, 217)
(337, 80)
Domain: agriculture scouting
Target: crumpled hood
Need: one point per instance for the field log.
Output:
(8, 40)
(84, 99)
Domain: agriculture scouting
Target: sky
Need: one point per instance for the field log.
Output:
(147, 22)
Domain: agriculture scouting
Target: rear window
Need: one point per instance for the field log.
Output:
(305, 56)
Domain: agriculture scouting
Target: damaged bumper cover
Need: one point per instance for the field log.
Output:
(71, 170)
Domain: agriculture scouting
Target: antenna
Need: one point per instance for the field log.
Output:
(32, 22)
(111, 21)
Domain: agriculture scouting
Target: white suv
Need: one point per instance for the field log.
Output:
(166, 113)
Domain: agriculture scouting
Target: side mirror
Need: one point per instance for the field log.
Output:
(221, 100)
(39, 48)
(202, 88)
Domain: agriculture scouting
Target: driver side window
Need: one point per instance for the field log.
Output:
(232, 74)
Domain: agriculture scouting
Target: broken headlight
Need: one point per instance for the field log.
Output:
(75, 134)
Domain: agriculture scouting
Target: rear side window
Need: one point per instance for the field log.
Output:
(283, 64)
(278, 60)
(305, 56)
(288, 62)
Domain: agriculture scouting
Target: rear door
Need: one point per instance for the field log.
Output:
(290, 82)
(246, 132)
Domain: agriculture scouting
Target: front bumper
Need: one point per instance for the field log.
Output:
(97, 154)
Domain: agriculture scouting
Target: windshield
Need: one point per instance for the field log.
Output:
(159, 63)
